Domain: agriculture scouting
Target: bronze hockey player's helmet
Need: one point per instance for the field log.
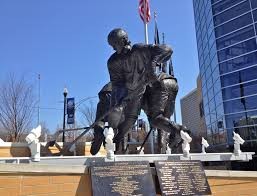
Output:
(116, 36)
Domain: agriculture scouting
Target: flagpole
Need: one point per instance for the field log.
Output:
(38, 109)
(156, 33)
(145, 24)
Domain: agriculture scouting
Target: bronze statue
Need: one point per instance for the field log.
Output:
(103, 107)
(164, 91)
(131, 68)
(159, 104)
(132, 72)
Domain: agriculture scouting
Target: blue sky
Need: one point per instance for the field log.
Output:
(65, 41)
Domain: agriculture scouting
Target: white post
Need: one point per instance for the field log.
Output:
(168, 150)
(33, 142)
(237, 142)
(204, 145)
(109, 146)
(185, 145)
(1, 141)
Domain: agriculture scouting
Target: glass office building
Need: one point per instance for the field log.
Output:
(226, 33)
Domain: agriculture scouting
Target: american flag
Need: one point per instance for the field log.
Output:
(142, 10)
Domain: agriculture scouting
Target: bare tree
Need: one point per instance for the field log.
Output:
(16, 106)
(44, 132)
(88, 116)
(88, 113)
(70, 135)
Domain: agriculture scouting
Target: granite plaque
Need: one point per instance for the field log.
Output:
(122, 178)
(182, 178)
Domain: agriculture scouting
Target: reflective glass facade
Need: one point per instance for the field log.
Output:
(227, 51)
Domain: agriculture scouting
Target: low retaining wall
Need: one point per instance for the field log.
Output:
(45, 184)
(45, 180)
(10, 149)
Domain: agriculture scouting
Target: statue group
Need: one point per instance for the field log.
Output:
(135, 85)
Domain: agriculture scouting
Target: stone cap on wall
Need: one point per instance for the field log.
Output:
(231, 173)
(31, 168)
(13, 144)
(69, 169)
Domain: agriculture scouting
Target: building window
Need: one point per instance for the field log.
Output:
(213, 117)
(205, 100)
(218, 98)
(207, 60)
(215, 74)
(207, 119)
(209, 85)
(254, 3)
(214, 60)
(215, 132)
(233, 25)
(249, 88)
(204, 90)
(205, 43)
(223, 137)
(222, 5)
(241, 119)
(255, 15)
(231, 13)
(239, 63)
(214, 1)
(212, 106)
(240, 76)
(220, 111)
(216, 87)
(210, 93)
(212, 38)
(237, 50)
(209, 135)
(247, 133)
(241, 104)
(201, 61)
(235, 37)
(209, 20)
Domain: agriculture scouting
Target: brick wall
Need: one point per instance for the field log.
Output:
(49, 184)
(19, 151)
(231, 186)
(44, 185)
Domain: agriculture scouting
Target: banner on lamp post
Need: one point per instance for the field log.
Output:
(70, 110)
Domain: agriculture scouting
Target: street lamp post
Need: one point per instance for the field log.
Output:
(65, 93)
